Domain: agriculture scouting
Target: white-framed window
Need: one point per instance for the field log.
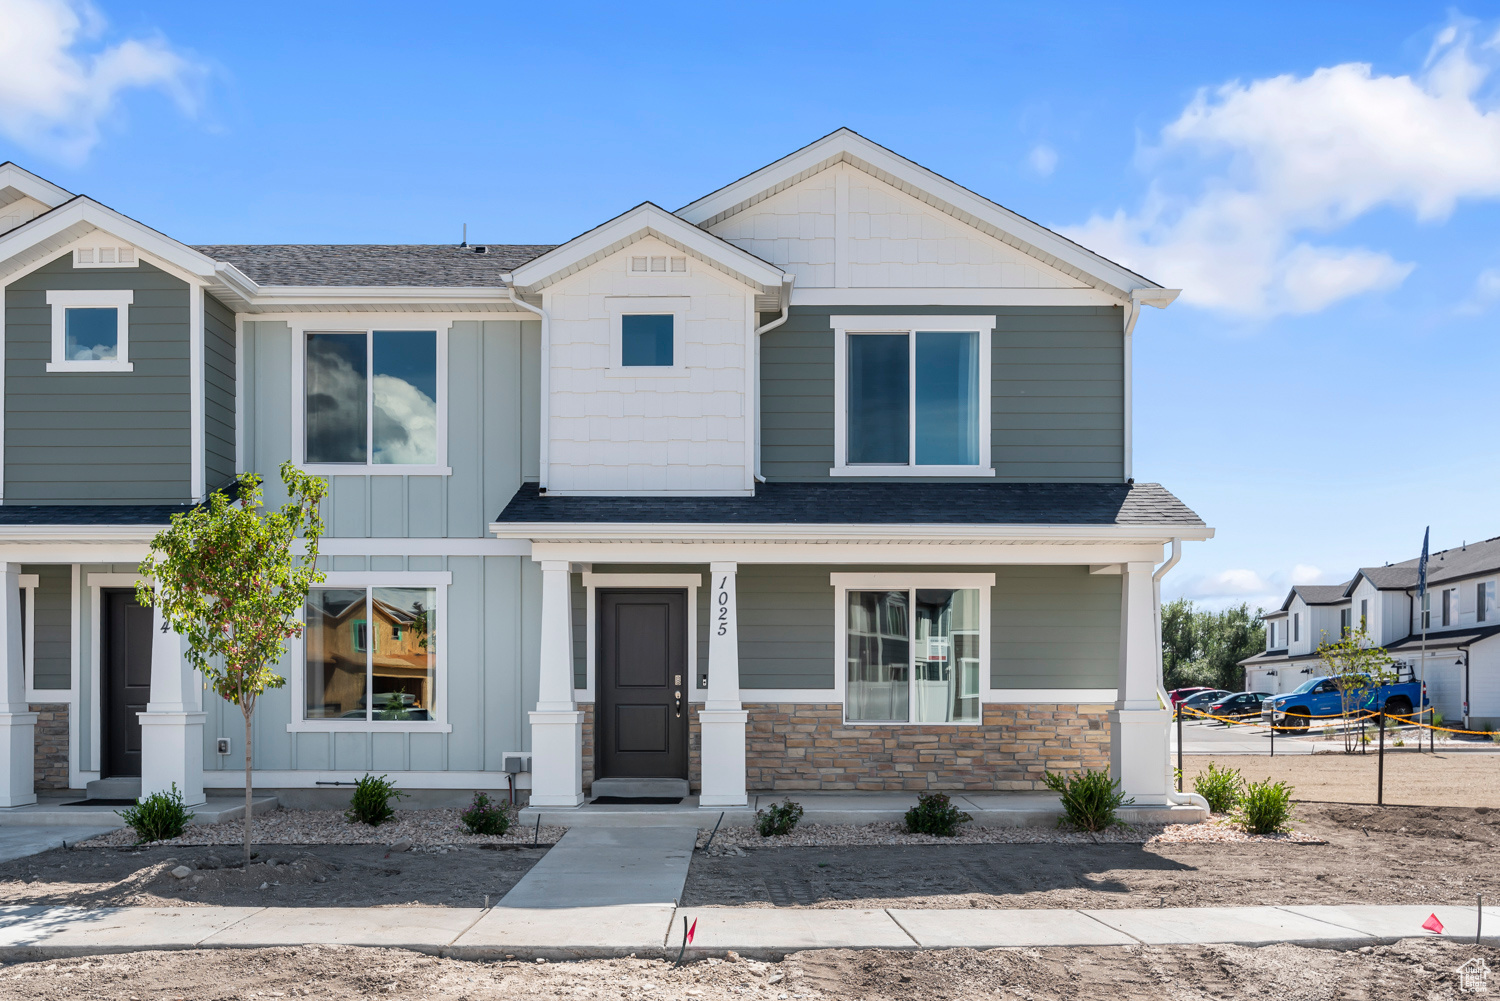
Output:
(374, 654)
(912, 395)
(1426, 609)
(1270, 635)
(90, 330)
(105, 256)
(1346, 616)
(1450, 606)
(912, 648)
(1364, 613)
(646, 335)
(1484, 600)
(658, 264)
(1296, 627)
(372, 399)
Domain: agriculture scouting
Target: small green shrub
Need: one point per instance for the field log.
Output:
(935, 814)
(1265, 807)
(1220, 786)
(1089, 798)
(371, 803)
(778, 819)
(485, 816)
(1398, 742)
(158, 817)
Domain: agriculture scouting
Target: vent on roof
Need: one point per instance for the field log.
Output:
(658, 265)
(481, 250)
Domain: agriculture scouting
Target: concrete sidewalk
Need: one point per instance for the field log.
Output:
(655, 930)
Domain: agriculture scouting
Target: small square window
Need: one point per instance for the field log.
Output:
(90, 330)
(646, 340)
(91, 333)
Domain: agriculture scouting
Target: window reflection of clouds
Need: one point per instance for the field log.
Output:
(405, 418)
(383, 410)
(336, 398)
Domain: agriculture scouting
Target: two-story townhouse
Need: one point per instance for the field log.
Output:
(1453, 626)
(823, 481)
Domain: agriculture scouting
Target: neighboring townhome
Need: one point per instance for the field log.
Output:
(1462, 666)
(821, 482)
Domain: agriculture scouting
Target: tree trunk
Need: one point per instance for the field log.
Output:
(247, 791)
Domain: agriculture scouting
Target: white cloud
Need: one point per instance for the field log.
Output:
(405, 422)
(1304, 573)
(1042, 159)
(1486, 292)
(1249, 176)
(58, 83)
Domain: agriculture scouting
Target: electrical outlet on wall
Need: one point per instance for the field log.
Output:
(223, 745)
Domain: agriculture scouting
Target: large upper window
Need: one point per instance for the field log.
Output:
(372, 654)
(372, 398)
(90, 330)
(913, 654)
(911, 400)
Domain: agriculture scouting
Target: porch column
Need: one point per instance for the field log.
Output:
(722, 720)
(556, 724)
(1138, 749)
(172, 725)
(17, 721)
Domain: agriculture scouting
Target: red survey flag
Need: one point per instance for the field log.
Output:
(1433, 925)
(693, 929)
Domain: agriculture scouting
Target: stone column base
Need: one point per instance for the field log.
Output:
(1139, 753)
(556, 759)
(723, 736)
(172, 753)
(18, 744)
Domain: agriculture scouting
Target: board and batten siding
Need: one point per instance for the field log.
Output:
(493, 434)
(218, 393)
(98, 437)
(1057, 386)
(52, 657)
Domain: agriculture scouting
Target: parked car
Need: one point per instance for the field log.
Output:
(1178, 694)
(1320, 697)
(1239, 704)
(1202, 700)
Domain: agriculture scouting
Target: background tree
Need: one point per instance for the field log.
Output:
(1200, 647)
(1358, 668)
(227, 579)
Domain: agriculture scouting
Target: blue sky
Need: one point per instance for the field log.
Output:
(1322, 179)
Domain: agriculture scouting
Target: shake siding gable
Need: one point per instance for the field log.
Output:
(218, 393)
(98, 437)
(1057, 379)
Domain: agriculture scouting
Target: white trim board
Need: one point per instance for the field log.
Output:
(61, 300)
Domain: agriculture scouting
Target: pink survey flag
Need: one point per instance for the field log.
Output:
(1433, 925)
(694, 929)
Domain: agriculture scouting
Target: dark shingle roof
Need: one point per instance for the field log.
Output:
(1443, 565)
(1320, 594)
(363, 265)
(89, 514)
(835, 502)
(1448, 638)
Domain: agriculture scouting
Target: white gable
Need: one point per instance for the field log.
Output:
(23, 209)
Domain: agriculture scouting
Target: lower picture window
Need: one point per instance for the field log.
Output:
(914, 655)
(371, 654)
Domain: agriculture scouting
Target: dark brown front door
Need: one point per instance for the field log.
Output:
(125, 662)
(642, 678)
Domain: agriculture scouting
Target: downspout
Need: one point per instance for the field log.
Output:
(786, 305)
(1174, 798)
(542, 403)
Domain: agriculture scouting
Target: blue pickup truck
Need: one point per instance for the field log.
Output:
(1320, 697)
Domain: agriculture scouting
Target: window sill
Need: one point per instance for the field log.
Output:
(366, 726)
(911, 471)
(646, 372)
(354, 469)
(907, 723)
(90, 366)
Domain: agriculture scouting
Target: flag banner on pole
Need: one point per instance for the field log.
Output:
(1422, 565)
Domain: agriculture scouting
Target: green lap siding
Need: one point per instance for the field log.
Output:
(218, 393)
(98, 437)
(52, 652)
(1057, 391)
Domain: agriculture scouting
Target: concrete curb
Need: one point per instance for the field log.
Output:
(655, 930)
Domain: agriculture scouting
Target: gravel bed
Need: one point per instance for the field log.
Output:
(423, 829)
(1217, 830)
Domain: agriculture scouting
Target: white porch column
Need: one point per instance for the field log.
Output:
(722, 720)
(1138, 748)
(17, 721)
(172, 725)
(556, 724)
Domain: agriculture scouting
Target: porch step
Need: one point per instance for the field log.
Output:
(120, 787)
(641, 788)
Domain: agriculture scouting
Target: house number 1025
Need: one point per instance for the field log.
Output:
(721, 599)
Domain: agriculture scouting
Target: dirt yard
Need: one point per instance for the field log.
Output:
(281, 875)
(1469, 778)
(1372, 855)
(1409, 969)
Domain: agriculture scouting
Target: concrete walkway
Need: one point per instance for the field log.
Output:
(19, 842)
(646, 930)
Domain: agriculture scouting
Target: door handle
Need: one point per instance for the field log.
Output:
(677, 703)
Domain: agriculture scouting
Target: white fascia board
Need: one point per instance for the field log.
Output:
(83, 209)
(996, 296)
(855, 148)
(648, 218)
(1076, 534)
(27, 183)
